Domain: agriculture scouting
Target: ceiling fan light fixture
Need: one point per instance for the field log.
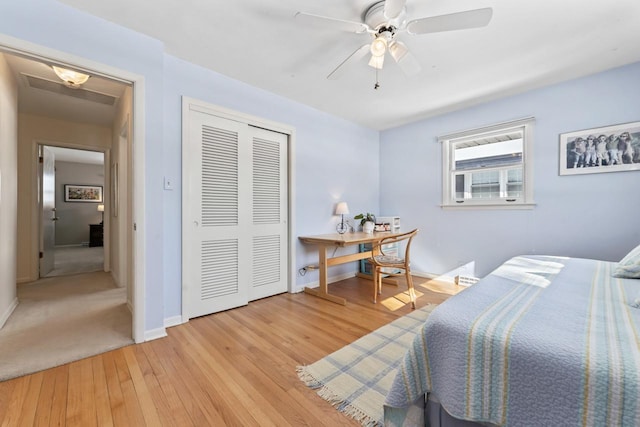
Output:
(379, 46)
(376, 62)
(71, 78)
(398, 51)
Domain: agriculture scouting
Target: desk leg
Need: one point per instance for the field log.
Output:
(323, 289)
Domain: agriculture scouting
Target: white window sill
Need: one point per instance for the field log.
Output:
(480, 206)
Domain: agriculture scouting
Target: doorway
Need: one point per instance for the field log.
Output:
(41, 60)
(72, 202)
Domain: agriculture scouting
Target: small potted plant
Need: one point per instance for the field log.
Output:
(367, 221)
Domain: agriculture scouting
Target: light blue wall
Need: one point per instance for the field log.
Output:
(334, 159)
(589, 216)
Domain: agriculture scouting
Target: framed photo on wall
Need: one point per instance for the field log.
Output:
(83, 193)
(606, 149)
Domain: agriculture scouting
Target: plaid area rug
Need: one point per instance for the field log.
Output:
(356, 378)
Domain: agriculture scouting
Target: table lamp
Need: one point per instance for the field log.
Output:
(101, 210)
(342, 209)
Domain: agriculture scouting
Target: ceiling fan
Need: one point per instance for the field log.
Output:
(385, 20)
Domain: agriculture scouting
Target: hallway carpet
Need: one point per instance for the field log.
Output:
(77, 259)
(63, 319)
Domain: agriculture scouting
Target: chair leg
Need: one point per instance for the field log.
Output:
(412, 292)
(375, 284)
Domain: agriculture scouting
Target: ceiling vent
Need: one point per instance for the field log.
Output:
(61, 89)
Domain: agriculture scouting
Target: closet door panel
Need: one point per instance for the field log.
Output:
(235, 207)
(269, 213)
(216, 237)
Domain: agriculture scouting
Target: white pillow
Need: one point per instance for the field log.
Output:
(629, 266)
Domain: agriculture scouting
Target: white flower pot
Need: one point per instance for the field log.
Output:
(368, 226)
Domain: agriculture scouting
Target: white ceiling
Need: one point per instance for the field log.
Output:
(526, 45)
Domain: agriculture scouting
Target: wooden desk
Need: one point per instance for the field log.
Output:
(326, 241)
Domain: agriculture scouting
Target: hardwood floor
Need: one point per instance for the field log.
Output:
(234, 368)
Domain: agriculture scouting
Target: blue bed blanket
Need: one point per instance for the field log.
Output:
(541, 341)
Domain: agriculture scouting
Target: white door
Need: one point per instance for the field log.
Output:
(48, 217)
(234, 206)
(269, 213)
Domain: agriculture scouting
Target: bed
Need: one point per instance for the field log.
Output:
(541, 341)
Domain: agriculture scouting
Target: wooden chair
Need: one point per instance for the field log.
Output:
(391, 263)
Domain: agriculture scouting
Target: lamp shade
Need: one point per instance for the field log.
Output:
(376, 62)
(378, 46)
(342, 208)
(100, 208)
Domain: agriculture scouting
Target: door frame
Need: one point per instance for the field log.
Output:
(189, 104)
(36, 201)
(136, 225)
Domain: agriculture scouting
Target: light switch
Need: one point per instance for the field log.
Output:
(168, 183)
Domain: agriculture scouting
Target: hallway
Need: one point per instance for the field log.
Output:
(77, 259)
(62, 319)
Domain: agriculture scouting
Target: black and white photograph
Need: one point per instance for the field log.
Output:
(607, 149)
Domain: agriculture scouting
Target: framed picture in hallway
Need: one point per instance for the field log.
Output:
(83, 193)
(607, 149)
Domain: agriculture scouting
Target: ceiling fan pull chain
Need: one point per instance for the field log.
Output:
(376, 86)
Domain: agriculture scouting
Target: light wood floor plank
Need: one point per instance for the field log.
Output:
(234, 368)
(60, 393)
(45, 400)
(218, 393)
(104, 416)
(183, 410)
(189, 382)
(149, 410)
(224, 371)
(116, 399)
(81, 409)
(132, 404)
(13, 409)
(30, 403)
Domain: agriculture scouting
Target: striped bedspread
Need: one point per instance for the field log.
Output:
(544, 341)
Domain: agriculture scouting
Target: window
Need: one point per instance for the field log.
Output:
(489, 167)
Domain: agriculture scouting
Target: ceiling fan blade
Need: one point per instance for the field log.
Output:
(392, 8)
(452, 21)
(354, 57)
(404, 58)
(350, 26)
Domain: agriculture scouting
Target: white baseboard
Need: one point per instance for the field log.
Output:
(425, 275)
(7, 312)
(158, 333)
(173, 321)
(332, 279)
(155, 334)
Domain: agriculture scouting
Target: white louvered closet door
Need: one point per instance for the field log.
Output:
(234, 228)
(269, 213)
